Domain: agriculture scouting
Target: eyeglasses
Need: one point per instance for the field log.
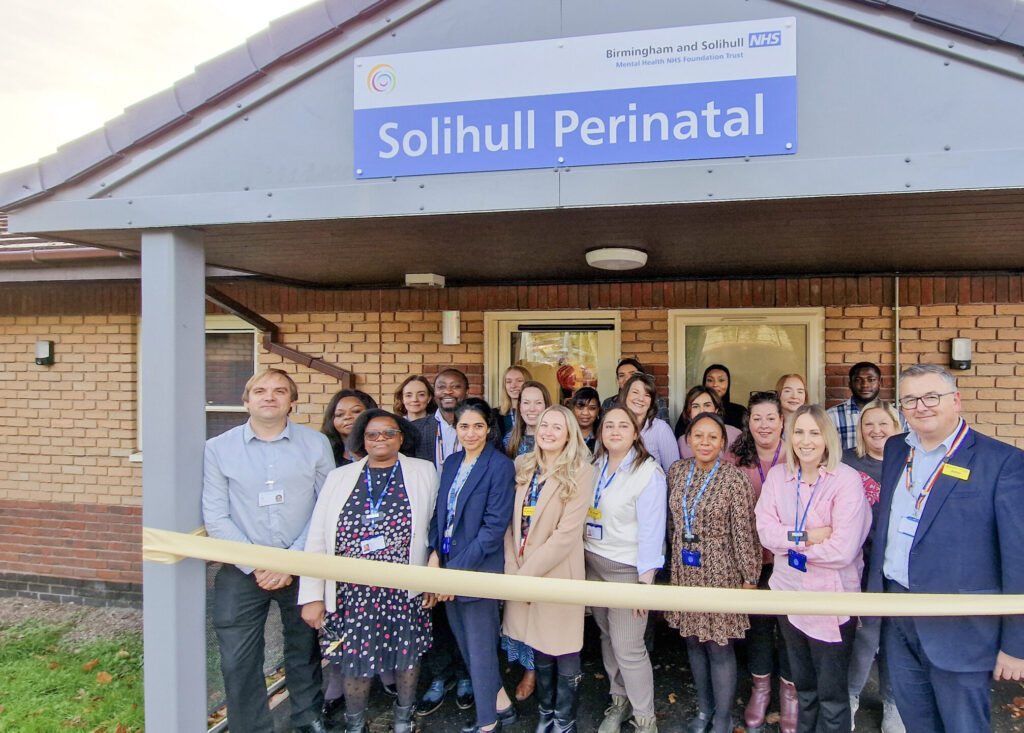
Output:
(374, 435)
(928, 400)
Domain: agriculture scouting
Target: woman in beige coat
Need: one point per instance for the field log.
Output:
(546, 540)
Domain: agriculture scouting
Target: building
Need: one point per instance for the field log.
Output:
(889, 225)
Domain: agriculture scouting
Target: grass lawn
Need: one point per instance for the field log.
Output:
(48, 685)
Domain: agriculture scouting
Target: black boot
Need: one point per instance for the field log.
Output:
(567, 702)
(545, 693)
(403, 718)
(356, 722)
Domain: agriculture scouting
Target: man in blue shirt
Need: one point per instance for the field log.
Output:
(865, 384)
(950, 520)
(260, 483)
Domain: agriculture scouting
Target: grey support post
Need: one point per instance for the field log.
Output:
(173, 431)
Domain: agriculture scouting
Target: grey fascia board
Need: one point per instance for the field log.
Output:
(296, 31)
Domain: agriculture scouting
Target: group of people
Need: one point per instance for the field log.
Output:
(777, 494)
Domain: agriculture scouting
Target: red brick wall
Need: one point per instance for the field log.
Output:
(66, 431)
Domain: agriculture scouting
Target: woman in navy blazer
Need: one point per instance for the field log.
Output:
(467, 532)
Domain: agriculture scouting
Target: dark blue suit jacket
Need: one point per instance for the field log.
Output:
(970, 540)
(482, 514)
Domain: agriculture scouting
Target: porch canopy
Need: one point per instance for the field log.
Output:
(907, 155)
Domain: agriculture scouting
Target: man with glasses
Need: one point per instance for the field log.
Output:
(260, 483)
(950, 520)
(865, 384)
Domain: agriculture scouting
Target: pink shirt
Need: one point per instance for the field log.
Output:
(833, 565)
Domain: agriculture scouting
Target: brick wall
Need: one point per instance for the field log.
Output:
(66, 431)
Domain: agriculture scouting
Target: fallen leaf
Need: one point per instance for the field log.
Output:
(1019, 702)
(772, 718)
(123, 653)
(103, 678)
(121, 728)
(598, 676)
(89, 666)
(1, 708)
(52, 665)
(672, 698)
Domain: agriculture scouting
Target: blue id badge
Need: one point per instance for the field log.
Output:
(446, 545)
(691, 558)
(798, 561)
(908, 526)
(594, 531)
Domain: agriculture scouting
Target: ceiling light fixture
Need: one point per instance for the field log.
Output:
(616, 258)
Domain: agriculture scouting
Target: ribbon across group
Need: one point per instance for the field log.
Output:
(163, 546)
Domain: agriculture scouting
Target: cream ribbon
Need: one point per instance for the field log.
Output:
(167, 547)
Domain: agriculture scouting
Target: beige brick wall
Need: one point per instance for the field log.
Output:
(66, 430)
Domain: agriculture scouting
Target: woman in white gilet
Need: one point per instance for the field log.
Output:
(623, 543)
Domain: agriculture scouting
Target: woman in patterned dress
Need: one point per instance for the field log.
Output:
(714, 545)
(377, 508)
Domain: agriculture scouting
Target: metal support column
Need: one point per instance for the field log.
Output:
(173, 428)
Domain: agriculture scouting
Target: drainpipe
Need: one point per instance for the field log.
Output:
(896, 333)
(271, 338)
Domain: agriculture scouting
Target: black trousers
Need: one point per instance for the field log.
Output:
(819, 674)
(443, 660)
(240, 610)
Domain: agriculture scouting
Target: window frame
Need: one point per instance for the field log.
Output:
(813, 319)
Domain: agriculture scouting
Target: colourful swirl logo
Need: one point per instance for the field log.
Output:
(381, 79)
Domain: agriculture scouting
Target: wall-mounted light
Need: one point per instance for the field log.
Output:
(450, 328)
(44, 353)
(960, 353)
(424, 280)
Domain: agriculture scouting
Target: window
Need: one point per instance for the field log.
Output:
(758, 345)
(231, 358)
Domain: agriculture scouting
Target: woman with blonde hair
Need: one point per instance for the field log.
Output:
(878, 422)
(534, 398)
(512, 382)
(792, 392)
(813, 516)
(545, 539)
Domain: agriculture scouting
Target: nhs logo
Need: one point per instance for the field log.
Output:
(764, 38)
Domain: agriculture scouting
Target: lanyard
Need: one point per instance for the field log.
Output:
(690, 514)
(531, 502)
(373, 510)
(923, 496)
(453, 495)
(439, 451)
(798, 521)
(602, 484)
(774, 460)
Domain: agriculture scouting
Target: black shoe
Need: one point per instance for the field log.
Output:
(390, 690)
(332, 707)
(434, 696)
(464, 694)
(472, 728)
(317, 726)
(508, 716)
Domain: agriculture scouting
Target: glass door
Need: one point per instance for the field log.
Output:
(562, 350)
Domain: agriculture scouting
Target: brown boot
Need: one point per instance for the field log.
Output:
(789, 707)
(526, 686)
(760, 696)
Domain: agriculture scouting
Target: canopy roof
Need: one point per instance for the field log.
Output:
(897, 170)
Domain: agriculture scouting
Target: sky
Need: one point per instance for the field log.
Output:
(69, 66)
